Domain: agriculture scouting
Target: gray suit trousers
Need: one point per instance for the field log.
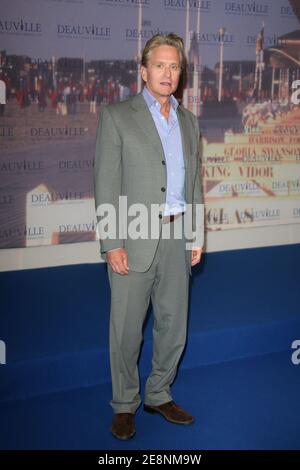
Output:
(166, 283)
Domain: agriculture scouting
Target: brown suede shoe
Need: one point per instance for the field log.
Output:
(123, 426)
(171, 412)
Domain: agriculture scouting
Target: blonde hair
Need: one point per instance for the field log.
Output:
(170, 39)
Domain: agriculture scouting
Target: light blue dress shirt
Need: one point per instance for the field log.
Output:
(170, 136)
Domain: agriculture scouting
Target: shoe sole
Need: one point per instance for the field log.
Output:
(123, 438)
(151, 410)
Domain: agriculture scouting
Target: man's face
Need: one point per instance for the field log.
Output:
(162, 72)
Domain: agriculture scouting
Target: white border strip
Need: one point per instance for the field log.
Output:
(79, 253)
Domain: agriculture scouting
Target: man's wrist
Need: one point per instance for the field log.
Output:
(114, 249)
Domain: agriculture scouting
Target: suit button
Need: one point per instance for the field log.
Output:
(163, 162)
(163, 189)
(160, 216)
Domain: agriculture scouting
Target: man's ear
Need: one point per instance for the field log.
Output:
(144, 73)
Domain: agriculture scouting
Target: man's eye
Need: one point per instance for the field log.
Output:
(159, 66)
(174, 67)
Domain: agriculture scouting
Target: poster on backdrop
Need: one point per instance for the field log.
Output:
(61, 61)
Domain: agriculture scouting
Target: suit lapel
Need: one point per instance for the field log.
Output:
(144, 121)
(184, 135)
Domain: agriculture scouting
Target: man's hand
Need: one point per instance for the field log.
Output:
(118, 260)
(196, 255)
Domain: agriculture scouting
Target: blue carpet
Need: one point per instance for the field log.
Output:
(236, 375)
(248, 403)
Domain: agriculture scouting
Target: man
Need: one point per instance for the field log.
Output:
(148, 150)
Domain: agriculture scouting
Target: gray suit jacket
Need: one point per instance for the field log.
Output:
(128, 161)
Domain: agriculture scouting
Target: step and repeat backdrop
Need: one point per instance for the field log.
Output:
(62, 60)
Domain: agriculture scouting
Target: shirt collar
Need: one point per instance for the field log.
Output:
(151, 101)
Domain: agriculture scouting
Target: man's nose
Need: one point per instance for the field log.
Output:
(167, 71)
